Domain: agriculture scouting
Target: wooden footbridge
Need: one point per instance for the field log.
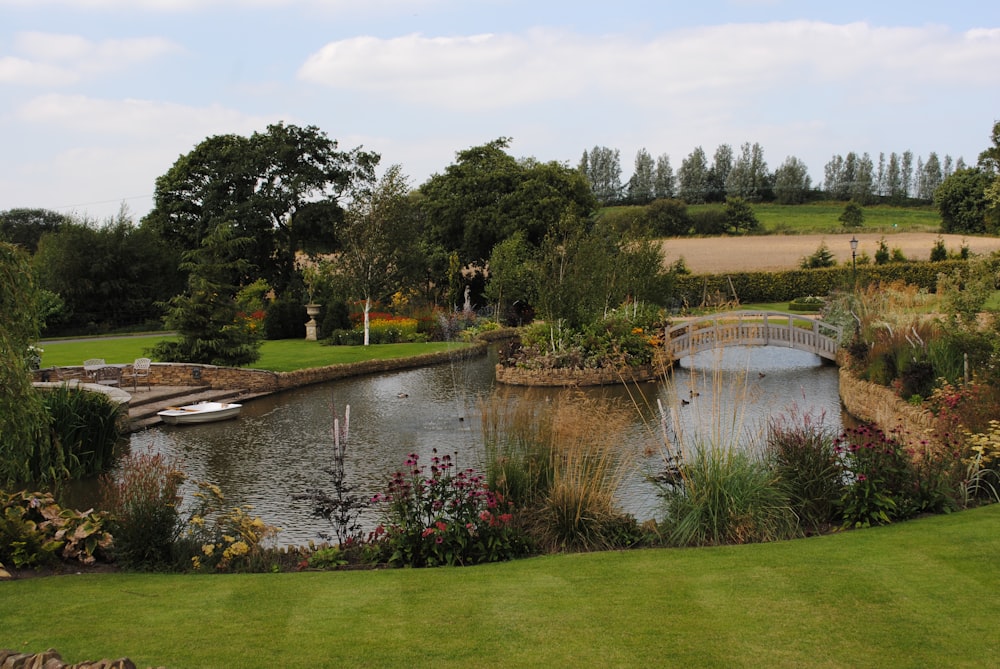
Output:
(753, 328)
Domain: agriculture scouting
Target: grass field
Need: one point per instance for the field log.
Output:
(916, 594)
(283, 355)
(822, 218)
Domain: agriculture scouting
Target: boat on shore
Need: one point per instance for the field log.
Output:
(202, 412)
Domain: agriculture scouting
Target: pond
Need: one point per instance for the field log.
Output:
(280, 445)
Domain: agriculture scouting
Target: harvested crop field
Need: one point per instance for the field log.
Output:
(710, 255)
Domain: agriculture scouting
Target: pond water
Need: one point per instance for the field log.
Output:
(280, 445)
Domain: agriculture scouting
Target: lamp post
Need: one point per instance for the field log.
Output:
(854, 260)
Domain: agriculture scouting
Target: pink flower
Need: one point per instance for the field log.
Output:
(428, 531)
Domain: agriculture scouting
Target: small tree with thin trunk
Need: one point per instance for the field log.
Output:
(379, 243)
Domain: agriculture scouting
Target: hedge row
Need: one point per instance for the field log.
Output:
(751, 287)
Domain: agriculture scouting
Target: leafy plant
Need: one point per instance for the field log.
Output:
(329, 557)
(802, 454)
(24, 454)
(224, 538)
(443, 517)
(35, 530)
(142, 500)
(888, 481)
(561, 465)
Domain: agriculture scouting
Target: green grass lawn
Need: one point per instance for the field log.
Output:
(283, 355)
(814, 217)
(822, 217)
(916, 594)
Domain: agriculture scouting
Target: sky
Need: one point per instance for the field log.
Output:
(98, 98)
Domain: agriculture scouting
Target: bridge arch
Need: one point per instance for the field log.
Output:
(753, 328)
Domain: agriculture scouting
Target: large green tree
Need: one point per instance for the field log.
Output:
(961, 199)
(283, 189)
(692, 177)
(749, 178)
(487, 195)
(584, 271)
(107, 276)
(642, 185)
(602, 168)
(792, 182)
(25, 227)
(989, 160)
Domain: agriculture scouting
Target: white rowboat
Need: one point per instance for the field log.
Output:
(202, 412)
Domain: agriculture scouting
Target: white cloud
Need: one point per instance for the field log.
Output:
(25, 72)
(55, 59)
(497, 71)
(134, 118)
(109, 151)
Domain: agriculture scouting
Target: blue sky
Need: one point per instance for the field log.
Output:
(99, 97)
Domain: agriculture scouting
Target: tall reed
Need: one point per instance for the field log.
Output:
(717, 488)
(726, 495)
(561, 463)
(84, 427)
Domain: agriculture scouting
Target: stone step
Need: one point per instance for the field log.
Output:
(142, 414)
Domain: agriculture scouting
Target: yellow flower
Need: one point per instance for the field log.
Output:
(237, 549)
(208, 549)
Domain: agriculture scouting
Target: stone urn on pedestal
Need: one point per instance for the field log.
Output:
(312, 310)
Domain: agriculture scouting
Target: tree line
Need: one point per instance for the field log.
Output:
(893, 179)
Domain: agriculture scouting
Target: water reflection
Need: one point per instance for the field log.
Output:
(280, 445)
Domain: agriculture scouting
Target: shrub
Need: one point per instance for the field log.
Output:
(587, 463)
(802, 454)
(36, 531)
(518, 448)
(142, 501)
(221, 538)
(443, 517)
(823, 257)
(285, 319)
(725, 496)
(807, 304)
(887, 482)
(982, 480)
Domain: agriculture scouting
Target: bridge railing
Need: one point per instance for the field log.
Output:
(753, 328)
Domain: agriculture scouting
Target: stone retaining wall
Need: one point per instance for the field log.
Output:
(877, 404)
